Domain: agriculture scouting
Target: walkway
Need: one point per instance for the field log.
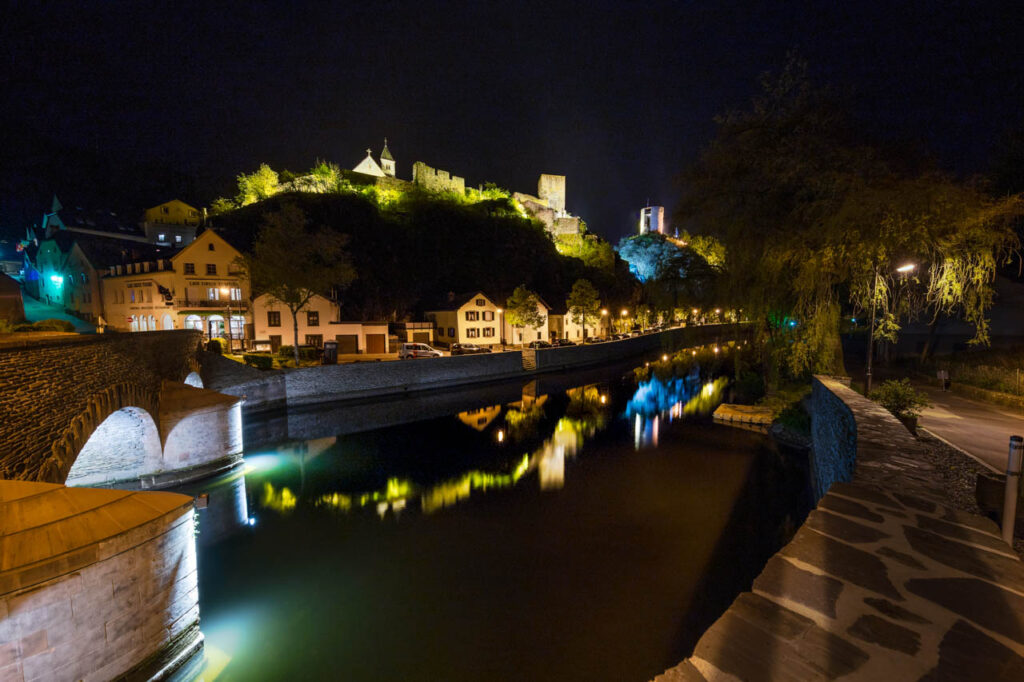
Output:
(979, 429)
(36, 310)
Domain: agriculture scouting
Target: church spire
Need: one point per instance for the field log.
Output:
(387, 162)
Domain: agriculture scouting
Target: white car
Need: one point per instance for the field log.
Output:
(417, 350)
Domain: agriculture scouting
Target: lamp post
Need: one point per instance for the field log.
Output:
(903, 269)
(604, 323)
(227, 292)
(622, 315)
(501, 324)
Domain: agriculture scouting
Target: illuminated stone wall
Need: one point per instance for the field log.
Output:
(551, 188)
(437, 180)
(57, 389)
(95, 583)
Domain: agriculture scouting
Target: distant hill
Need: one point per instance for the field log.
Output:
(422, 247)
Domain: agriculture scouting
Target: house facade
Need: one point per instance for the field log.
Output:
(172, 223)
(200, 287)
(465, 318)
(317, 322)
(524, 335)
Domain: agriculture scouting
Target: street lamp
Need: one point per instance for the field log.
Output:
(501, 324)
(903, 269)
(227, 293)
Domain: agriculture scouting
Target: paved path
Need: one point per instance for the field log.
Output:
(980, 429)
(36, 310)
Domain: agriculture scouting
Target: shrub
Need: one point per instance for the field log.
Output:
(53, 325)
(305, 352)
(900, 398)
(218, 346)
(259, 360)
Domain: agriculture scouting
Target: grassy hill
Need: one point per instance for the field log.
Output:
(420, 247)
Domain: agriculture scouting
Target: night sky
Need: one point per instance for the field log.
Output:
(617, 96)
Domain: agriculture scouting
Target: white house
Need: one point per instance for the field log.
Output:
(466, 318)
(317, 322)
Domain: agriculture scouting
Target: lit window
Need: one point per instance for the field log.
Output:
(472, 333)
(213, 294)
(472, 315)
(488, 331)
(161, 237)
(177, 239)
(488, 315)
(236, 294)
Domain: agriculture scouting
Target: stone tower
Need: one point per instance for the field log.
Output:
(387, 162)
(551, 188)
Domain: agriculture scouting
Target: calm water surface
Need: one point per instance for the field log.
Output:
(579, 527)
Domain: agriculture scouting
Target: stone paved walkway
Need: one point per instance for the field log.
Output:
(882, 582)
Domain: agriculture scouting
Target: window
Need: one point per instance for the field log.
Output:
(236, 294)
(190, 268)
(177, 239)
(481, 302)
(312, 318)
(165, 210)
(488, 331)
(213, 294)
(273, 318)
(211, 268)
(488, 316)
(451, 331)
(161, 237)
(209, 247)
(133, 295)
(315, 340)
(472, 333)
(472, 315)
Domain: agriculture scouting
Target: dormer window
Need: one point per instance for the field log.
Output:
(210, 246)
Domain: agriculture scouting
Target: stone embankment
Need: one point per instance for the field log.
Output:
(884, 581)
(310, 385)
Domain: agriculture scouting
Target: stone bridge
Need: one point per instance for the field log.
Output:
(111, 409)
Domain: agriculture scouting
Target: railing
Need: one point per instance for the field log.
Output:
(207, 303)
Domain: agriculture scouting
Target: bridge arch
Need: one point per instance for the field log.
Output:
(194, 380)
(123, 447)
(99, 407)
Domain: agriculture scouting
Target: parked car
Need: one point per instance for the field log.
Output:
(468, 349)
(594, 339)
(539, 344)
(557, 343)
(417, 350)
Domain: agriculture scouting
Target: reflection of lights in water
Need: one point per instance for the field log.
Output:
(693, 352)
(636, 431)
(604, 399)
(708, 390)
(252, 521)
(501, 435)
(664, 358)
(282, 501)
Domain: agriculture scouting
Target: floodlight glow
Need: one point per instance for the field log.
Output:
(906, 268)
(57, 279)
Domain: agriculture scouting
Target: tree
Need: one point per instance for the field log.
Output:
(262, 184)
(583, 303)
(808, 213)
(291, 262)
(589, 248)
(647, 254)
(522, 309)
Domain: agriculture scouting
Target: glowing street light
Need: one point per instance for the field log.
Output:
(906, 268)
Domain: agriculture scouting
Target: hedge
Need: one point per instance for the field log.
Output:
(259, 360)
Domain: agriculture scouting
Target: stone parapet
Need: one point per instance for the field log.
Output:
(882, 582)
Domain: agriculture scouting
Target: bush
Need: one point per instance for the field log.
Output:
(54, 325)
(259, 360)
(218, 346)
(305, 352)
(900, 398)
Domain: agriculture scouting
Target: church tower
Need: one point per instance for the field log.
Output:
(387, 162)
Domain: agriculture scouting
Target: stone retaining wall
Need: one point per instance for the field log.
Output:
(882, 582)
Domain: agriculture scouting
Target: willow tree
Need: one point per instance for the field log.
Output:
(812, 218)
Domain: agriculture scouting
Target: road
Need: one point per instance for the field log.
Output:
(980, 429)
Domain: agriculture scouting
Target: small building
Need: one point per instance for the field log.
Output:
(412, 332)
(317, 322)
(562, 326)
(172, 223)
(465, 318)
(12, 307)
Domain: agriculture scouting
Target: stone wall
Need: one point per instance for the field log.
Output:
(59, 388)
(95, 584)
(437, 180)
(882, 582)
(551, 188)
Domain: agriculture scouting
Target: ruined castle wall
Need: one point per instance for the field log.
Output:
(437, 180)
(551, 188)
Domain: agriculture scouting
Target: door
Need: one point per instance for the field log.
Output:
(376, 343)
(421, 337)
(347, 343)
(275, 343)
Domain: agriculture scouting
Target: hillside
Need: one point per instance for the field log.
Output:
(422, 246)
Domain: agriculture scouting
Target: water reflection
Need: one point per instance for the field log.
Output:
(503, 443)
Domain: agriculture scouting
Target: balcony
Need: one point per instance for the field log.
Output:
(207, 303)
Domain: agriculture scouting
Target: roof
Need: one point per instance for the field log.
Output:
(102, 220)
(369, 167)
(103, 252)
(455, 301)
(385, 153)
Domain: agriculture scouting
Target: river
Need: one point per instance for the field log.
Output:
(577, 527)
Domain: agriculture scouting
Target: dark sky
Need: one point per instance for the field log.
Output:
(617, 96)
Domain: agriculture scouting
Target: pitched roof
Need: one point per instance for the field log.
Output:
(385, 153)
(454, 301)
(103, 252)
